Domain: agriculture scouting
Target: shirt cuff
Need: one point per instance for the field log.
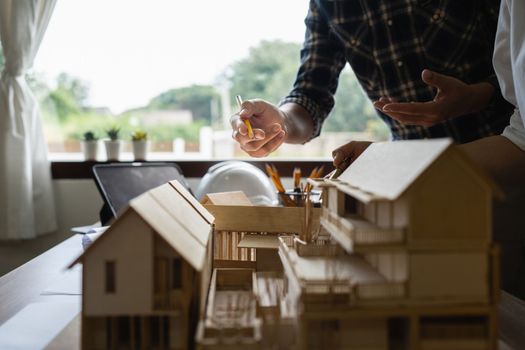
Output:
(312, 108)
(515, 132)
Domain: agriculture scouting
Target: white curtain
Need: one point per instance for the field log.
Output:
(26, 195)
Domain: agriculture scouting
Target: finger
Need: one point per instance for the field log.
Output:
(414, 120)
(239, 128)
(343, 152)
(254, 145)
(397, 115)
(270, 146)
(238, 125)
(253, 107)
(241, 134)
(259, 136)
(439, 81)
(347, 154)
(379, 104)
(414, 108)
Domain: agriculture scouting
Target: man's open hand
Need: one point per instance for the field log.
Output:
(453, 98)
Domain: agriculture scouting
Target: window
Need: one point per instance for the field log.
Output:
(176, 78)
(351, 205)
(176, 277)
(110, 271)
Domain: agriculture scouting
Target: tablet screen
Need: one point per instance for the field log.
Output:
(120, 183)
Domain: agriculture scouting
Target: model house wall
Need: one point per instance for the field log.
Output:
(450, 203)
(226, 243)
(146, 278)
(118, 293)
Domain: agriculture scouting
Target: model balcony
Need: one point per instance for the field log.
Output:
(353, 231)
(334, 279)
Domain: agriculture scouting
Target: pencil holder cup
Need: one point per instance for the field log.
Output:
(292, 198)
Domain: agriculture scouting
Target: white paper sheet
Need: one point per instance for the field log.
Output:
(68, 283)
(36, 325)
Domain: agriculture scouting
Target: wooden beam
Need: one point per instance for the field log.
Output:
(259, 218)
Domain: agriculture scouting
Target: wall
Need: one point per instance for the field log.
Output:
(78, 201)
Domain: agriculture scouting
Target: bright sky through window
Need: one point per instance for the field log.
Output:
(131, 50)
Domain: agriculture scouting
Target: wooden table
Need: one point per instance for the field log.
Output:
(25, 284)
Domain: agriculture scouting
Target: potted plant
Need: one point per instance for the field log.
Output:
(89, 145)
(139, 140)
(113, 144)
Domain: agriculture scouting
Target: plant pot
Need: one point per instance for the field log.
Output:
(112, 149)
(140, 148)
(89, 148)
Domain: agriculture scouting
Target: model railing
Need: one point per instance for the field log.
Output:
(385, 290)
(360, 231)
(226, 247)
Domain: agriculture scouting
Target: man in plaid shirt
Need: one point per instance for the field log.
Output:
(433, 52)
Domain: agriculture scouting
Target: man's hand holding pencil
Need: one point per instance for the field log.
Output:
(346, 154)
(267, 123)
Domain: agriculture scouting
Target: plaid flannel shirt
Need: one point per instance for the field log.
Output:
(388, 43)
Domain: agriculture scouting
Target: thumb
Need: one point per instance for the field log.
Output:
(439, 81)
(253, 107)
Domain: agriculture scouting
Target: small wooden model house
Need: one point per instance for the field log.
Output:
(241, 228)
(247, 235)
(146, 279)
(418, 269)
(428, 200)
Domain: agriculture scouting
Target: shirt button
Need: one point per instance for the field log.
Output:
(389, 22)
(399, 63)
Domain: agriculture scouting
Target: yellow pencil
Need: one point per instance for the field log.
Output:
(296, 178)
(246, 121)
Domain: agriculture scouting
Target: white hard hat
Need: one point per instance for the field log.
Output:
(235, 175)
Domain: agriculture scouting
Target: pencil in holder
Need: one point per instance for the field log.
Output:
(292, 198)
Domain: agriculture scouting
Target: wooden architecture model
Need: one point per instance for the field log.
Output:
(146, 279)
(247, 235)
(398, 257)
(241, 285)
(417, 269)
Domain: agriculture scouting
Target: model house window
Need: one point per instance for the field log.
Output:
(110, 276)
(351, 205)
(176, 270)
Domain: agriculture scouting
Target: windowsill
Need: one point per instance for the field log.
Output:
(72, 165)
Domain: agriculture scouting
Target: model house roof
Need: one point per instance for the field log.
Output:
(172, 213)
(227, 198)
(387, 169)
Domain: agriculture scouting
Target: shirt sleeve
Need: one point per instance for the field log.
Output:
(322, 59)
(515, 132)
(491, 10)
(509, 55)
